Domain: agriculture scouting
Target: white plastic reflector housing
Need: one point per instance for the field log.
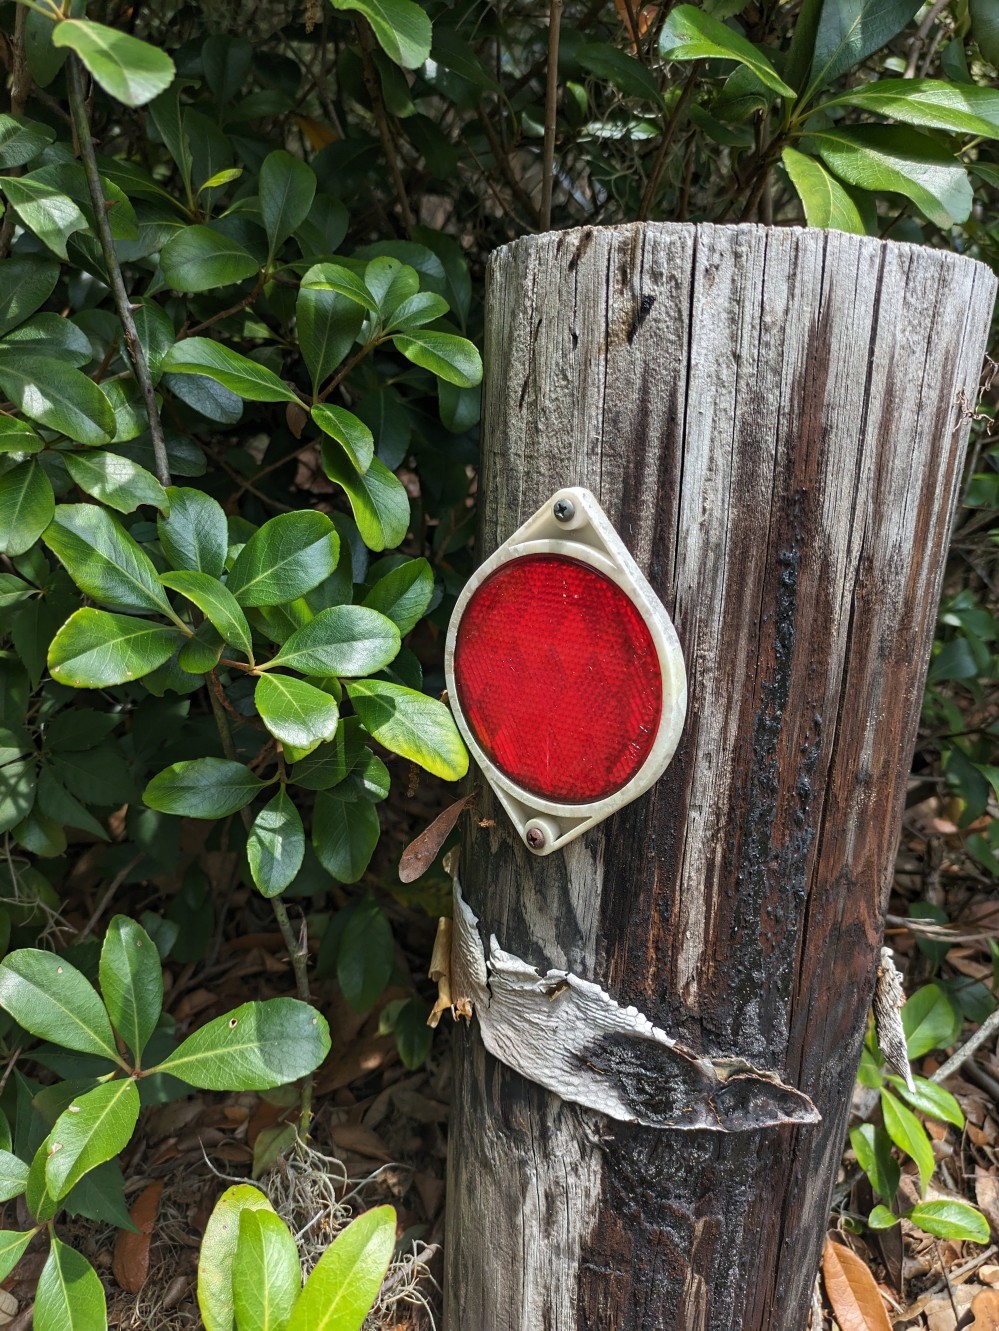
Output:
(565, 673)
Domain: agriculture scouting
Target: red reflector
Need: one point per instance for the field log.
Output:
(558, 678)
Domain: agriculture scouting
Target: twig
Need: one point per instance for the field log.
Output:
(669, 133)
(102, 905)
(226, 314)
(988, 1027)
(551, 109)
(382, 121)
(81, 124)
(921, 34)
(506, 169)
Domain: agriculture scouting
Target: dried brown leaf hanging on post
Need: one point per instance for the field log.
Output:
(421, 852)
(852, 1290)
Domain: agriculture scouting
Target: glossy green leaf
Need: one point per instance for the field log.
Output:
(194, 534)
(402, 28)
(286, 558)
(200, 259)
(55, 394)
(411, 724)
(94, 649)
(104, 560)
(872, 1147)
(851, 30)
(825, 201)
(18, 436)
(984, 17)
(901, 161)
(343, 640)
(275, 846)
(328, 321)
(378, 498)
(96, 1127)
(131, 982)
(254, 1048)
(21, 140)
(13, 1243)
(344, 281)
(216, 602)
(26, 281)
(70, 1296)
(454, 359)
(130, 70)
(930, 1099)
(287, 188)
(344, 836)
(45, 210)
(26, 507)
(958, 108)
(692, 34)
(908, 1134)
(415, 311)
(116, 481)
(295, 712)
(39, 1201)
(403, 594)
(218, 1252)
(366, 955)
(951, 1220)
(882, 1218)
(51, 999)
(242, 376)
(351, 434)
(202, 788)
(346, 1280)
(48, 334)
(202, 651)
(13, 1181)
(928, 1020)
(266, 1276)
(330, 763)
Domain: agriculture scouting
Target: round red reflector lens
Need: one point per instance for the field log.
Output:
(558, 678)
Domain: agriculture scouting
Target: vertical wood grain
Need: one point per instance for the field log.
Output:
(772, 419)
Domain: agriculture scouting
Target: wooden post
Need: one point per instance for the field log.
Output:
(775, 421)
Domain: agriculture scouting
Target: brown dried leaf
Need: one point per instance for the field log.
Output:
(852, 1290)
(986, 1310)
(421, 853)
(987, 1197)
(131, 1251)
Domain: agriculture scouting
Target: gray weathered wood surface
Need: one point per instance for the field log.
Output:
(775, 420)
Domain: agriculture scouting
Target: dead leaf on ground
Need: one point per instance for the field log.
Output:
(852, 1290)
(985, 1306)
(131, 1251)
(987, 1197)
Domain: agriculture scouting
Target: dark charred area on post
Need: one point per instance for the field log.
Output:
(774, 437)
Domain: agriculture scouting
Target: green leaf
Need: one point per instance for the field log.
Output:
(403, 594)
(131, 71)
(13, 1243)
(330, 763)
(872, 1147)
(346, 1280)
(343, 640)
(51, 999)
(334, 277)
(882, 1218)
(21, 140)
(286, 558)
(18, 436)
(825, 201)
(47, 334)
(985, 28)
(116, 481)
(266, 1276)
(901, 161)
(287, 188)
(625, 72)
(958, 108)
(218, 1251)
(423, 308)
(200, 259)
(295, 712)
(928, 1020)
(57, 395)
(96, 1127)
(692, 34)
(45, 210)
(94, 649)
(131, 982)
(851, 30)
(194, 535)
(200, 355)
(344, 836)
(17, 792)
(26, 507)
(202, 788)
(328, 320)
(351, 434)
(402, 28)
(951, 1220)
(104, 561)
(217, 603)
(930, 1099)
(909, 1135)
(70, 1296)
(26, 281)
(378, 498)
(200, 652)
(366, 955)
(13, 1181)
(254, 1048)
(451, 358)
(275, 847)
(411, 724)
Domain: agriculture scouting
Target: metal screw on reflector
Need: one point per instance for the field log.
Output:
(564, 510)
(535, 838)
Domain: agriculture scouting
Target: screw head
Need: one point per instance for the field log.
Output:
(535, 838)
(564, 510)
